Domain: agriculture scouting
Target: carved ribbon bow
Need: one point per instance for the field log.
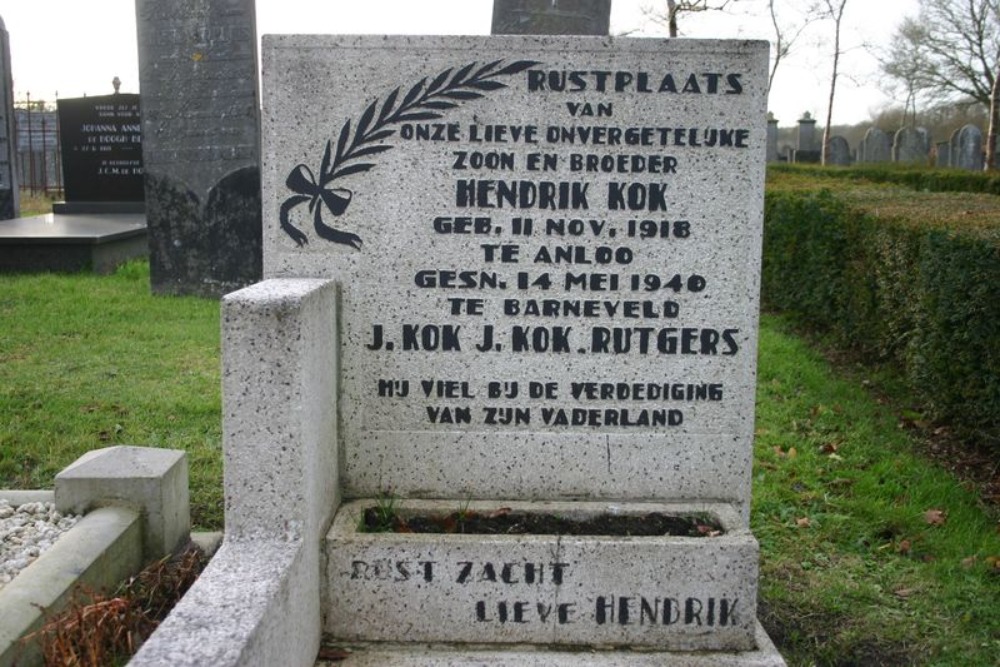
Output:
(303, 183)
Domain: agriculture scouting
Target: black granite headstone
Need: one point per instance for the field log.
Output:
(551, 17)
(101, 143)
(201, 146)
(9, 201)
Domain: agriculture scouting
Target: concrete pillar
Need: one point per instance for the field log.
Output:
(807, 133)
(772, 138)
(551, 17)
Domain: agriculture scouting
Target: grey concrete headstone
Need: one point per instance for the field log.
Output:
(909, 146)
(807, 134)
(875, 147)
(772, 138)
(9, 194)
(970, 149)
(201, 146)
(839, 152)
(551, 17)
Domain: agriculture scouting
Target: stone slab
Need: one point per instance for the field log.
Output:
(383, 655)
(69, 243)
(669, 593)
(99, 207)
(78, 228)
(386, 177)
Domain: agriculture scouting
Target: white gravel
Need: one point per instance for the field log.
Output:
(25, 532)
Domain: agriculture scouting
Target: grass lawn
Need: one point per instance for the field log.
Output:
(870, 555)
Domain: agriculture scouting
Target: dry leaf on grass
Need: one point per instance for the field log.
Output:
(935, 517)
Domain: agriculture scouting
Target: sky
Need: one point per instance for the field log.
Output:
(71, 48)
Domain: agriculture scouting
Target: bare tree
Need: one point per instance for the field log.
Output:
(784, 37)
(959, 46)
(906, 63)
(677, 7)
(835, 12)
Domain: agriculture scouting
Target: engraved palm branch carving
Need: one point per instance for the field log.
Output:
(426, 100)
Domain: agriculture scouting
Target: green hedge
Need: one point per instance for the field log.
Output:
(916, 178)
(912, 294)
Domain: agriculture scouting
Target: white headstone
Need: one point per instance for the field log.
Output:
(548, 261)
(970, 149)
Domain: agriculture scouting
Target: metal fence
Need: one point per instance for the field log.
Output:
(39, 161)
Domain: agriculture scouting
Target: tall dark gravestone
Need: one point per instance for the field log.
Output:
(101, 141)
(201, 146)
(551, 17)
(9, 204)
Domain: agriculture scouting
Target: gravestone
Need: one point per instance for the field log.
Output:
(970, 149)
(807, 150)
(942, 156)
(198, 81)
(909, 146)
(101, 141)
(9, 193)
(875, 147)
(807, 133)
(546, 253)
(551, 17)
(840, 151)
(772, 138)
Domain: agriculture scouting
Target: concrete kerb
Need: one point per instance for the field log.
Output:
(100, 551)
(257, 603)
(428, 655)
(137, 510)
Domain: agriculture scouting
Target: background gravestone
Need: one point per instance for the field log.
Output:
(9, 194)
(551, 17)
(198, 75)
(909, 146)
(943, 158)
(807, 149)
(875, 147)
(101, 141)
(840, 151)
(970, 149)
(772, 138)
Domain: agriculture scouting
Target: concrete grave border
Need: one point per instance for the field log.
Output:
(136, 505)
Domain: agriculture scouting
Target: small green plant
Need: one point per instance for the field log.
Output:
(383, 516)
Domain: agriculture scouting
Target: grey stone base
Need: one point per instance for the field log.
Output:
(71, 207)
(666, 593)
(388, 655)
(70, 243)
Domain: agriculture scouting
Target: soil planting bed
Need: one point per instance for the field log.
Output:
(506, 522)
